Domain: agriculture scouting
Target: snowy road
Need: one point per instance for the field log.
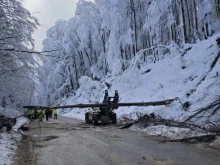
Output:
(70, 141)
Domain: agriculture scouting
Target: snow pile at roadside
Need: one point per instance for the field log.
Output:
(9, 112)
(7, 148)
(175, 133)
(216, 143)
(169, 132)
(19, 122)
(8, 142)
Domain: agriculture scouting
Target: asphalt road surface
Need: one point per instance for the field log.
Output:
(68, 141)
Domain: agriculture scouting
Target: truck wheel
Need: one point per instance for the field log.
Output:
(87, 118)
(95, 120)
(114, 119)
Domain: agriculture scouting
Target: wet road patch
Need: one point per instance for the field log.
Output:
(48, 138)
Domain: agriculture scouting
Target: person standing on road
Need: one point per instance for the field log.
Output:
(35, 114)
(29, 113)
(47, 113)
(55, 112)
(41, 115)
(50, 113)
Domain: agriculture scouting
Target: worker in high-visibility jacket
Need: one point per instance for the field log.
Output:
(29, 113)
(32, 113)
(55, 112)
(40, 115)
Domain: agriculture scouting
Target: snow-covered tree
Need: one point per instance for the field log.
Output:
(17, 62)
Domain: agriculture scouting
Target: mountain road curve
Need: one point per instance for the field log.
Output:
(68, 141)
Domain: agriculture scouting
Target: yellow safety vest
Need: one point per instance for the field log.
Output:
(55, 111)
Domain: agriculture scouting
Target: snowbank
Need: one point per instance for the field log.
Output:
(216, 143)
(9, 112)
(19, 122)
(169, 132)
(8, 142)
(7, 148)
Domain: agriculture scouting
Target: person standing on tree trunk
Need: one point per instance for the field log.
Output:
(55, 112)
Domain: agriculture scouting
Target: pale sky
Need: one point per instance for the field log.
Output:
(48, 12)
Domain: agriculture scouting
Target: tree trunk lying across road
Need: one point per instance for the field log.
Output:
(153, 103)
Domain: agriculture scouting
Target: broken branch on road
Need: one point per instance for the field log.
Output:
(196, 139)
(211, 109)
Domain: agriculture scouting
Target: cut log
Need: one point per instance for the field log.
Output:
(153, 103)
(128, 125)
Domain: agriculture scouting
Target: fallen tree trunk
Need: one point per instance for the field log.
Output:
(210, 109)
(153, 120)
(196, 139)
(7, 122)
(152, 103)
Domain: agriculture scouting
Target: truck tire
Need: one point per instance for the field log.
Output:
(95, 120)
(114, 119)
(87, 119)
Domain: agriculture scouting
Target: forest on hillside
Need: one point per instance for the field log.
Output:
(100, 40)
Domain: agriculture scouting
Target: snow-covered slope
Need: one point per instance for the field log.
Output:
(186, 74)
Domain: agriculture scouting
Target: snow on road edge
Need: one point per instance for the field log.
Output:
(8, 142)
